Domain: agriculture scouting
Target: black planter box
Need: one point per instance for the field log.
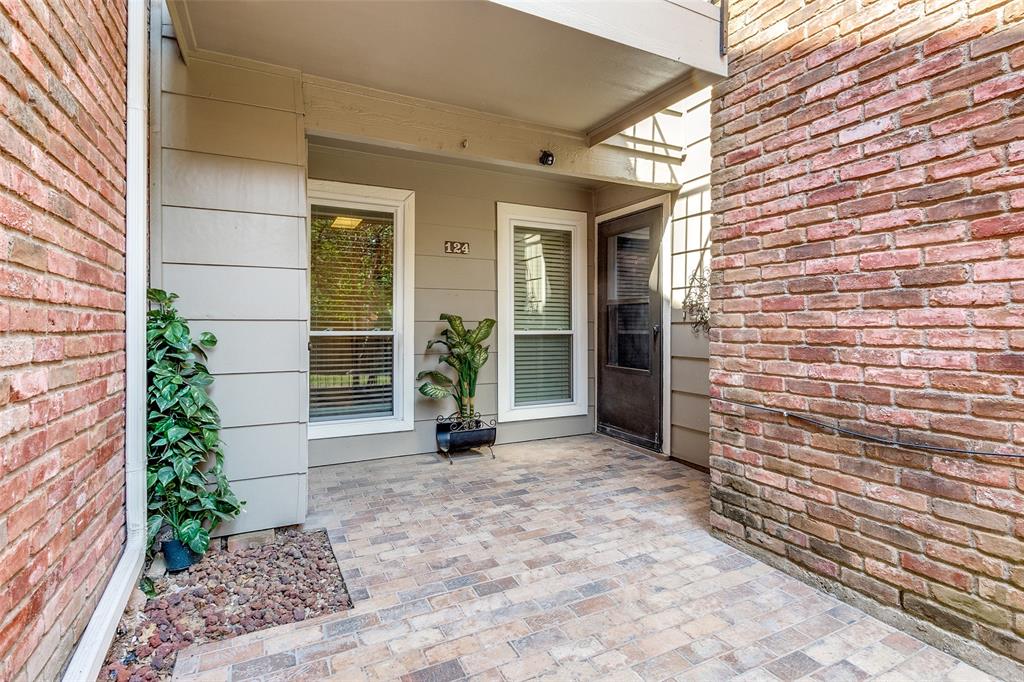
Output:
(458, 436)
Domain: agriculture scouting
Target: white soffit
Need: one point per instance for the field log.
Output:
(585, 67)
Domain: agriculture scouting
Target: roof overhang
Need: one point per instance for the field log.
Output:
(590, 68)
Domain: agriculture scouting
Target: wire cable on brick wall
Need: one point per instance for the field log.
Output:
(867, 436)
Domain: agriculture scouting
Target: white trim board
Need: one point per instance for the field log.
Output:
(92, 647)
(665, 289)
(685, 31)
(574, 222)
(402, 203)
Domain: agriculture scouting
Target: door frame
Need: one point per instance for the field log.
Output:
(665, 289)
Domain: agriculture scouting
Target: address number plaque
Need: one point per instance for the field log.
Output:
(461, 248)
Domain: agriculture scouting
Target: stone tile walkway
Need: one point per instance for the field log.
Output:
(567, 559)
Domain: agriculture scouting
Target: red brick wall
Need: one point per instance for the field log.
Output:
(62, 196)
(868, 186)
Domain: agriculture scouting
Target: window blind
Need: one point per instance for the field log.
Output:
(628, 328)
(350, 376)
(632, 266)
(543, 279)
(352, 344)
(542, 309)
(543, 369)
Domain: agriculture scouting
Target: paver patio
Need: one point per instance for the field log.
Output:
(575, 558)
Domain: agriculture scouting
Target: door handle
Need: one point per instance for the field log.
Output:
(656, 329)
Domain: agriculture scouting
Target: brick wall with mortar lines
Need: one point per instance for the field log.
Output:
(62, 197)
(868, 187)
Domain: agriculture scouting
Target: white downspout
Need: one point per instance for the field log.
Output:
(88, 658)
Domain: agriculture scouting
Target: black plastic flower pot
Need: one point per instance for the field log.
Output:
(459, 436)
(177, 556)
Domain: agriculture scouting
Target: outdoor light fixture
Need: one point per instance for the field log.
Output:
(346, 223)
(547, 158)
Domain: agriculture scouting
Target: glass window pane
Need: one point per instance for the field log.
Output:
(630, 263)
(352, 269)
(542, 279)
(629, 335)
(629, 295)
(350, 377)
(543, 369)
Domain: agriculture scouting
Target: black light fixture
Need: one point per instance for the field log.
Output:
(547, 158)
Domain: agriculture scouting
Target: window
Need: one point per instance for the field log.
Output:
(542, 312)
(360, 309)
(629, 299)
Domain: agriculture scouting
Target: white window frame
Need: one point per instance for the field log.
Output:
(575, 223)
(402, 203)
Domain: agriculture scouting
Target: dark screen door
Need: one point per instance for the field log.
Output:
(629, 329)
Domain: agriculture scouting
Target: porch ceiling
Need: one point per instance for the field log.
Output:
(587, 68)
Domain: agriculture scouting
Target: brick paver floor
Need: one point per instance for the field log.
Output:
(567, 559)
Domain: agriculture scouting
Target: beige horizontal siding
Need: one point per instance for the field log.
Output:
(271, 501)
(452, 203)
(237, 293)
(259, 398)
(247, 346)
(474, 304)
(197, 180)
(689, 375)
(229, 220)
(691, 225)
(447, 272)
(287, 442)
(421, 439)
(216, 237)
(254, 132)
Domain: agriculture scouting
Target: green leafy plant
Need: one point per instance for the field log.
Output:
(466, 354)
(147, 586)
(186, 486)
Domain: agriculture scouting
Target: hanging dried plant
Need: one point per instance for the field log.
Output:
(697, 304)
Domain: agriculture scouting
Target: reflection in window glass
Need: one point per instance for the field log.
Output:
(542, 302)
(351, 356)
(628, 309)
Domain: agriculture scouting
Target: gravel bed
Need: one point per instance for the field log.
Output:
(226, 594)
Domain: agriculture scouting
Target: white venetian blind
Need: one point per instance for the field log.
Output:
(629, 328)
(542, 308)
(352, 333)
(632, 265)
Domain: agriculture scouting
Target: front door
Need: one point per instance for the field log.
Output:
(629, 399)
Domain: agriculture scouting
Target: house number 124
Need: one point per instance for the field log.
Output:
(456, 247)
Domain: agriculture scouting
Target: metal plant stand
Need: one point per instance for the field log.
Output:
(455, 434)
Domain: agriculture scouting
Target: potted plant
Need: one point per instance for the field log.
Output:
(187, 489)
(465, 353)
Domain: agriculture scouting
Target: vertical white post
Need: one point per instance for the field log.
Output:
(136, 265)
(88, 658)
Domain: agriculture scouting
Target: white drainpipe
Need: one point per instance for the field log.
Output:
(88, 658)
